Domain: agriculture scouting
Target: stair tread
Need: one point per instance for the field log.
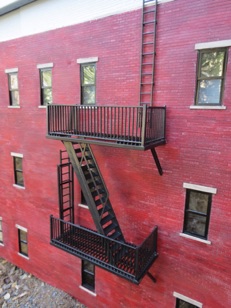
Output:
(110, 228)
(106, 219)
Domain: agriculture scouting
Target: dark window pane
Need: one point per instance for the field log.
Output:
(88, 75)
(195, 224)
(88, 94)
(183, 304)
(23, 235)
(19, 178)
(198, 202)
(24, 248)
(18, 163)
(46, 78)
(47, 96)
(14, 98)
(88, 266)
(1, 235)
(212, 64)
(209, 91)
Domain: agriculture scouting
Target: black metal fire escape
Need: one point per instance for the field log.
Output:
(148, 51)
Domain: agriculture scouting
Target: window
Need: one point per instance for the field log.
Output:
(18, 172)
(1, 233)
(182, 304)
(88, 71)
(13, 89)
(46, 86)
(88, 275)
(210, 76)
(22, 241)
(197, 213)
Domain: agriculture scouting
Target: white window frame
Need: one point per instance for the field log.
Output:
(18, 227)
(187, 299)
(40, 67)
(13, 154)
(1, 243)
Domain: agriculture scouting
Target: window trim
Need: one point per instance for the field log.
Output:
(221, 78)
(20, 228)
(17, 155)
(85, 271)
(9, 72)
(204, 190)
(187, 299)
(42, 87)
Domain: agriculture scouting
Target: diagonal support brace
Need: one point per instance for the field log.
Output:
(154, 154)
(151, 277)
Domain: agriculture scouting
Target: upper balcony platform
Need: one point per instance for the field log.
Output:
(139, 128)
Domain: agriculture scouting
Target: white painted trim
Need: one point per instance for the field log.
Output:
(11, 70)
(87, 60)
(21, 255)
(1, 218)
(216, 44)
(83, 206)
(195, 238)
(188, 299)
(42, 106)
(18, 186)
(88, 291)
(208, 107)
(45, 65)
(14, 107)
(16, 154)
(1, 244)
(163, 1)
(21, 228)
(207, 189)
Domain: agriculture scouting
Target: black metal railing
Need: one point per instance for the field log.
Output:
(136, 126)
(123, 259)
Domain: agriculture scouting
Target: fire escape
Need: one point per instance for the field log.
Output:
(137, 128)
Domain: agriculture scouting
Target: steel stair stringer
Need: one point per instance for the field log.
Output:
(94, 190)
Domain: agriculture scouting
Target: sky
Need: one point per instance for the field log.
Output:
(6, 2)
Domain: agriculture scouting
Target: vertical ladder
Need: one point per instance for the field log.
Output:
(94, 190)
(65, 188)
(148, 51)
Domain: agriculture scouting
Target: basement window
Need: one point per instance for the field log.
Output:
(211, 69)
(18, 170)
(13, 87)
(22, 241)
(197, 210)
(88, 275)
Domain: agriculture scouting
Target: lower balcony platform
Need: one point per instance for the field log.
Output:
(123, 259)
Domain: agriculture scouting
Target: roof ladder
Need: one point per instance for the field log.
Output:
(148, 51)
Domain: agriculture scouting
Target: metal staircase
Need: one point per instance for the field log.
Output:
(94, 190)
(148, 51)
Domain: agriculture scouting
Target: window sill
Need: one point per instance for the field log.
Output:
(18, 186)
(195, 238)
(83, 206)
(88, 291)
(42, 107)
(25, 257)
(208, 107)
(1, 244)
(14, 107)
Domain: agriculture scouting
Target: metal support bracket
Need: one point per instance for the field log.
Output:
(154, 154)
(151, 277)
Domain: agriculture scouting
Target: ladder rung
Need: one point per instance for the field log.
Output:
(150, 11)
(149, 22)
(147, 63)
(145, 93)
(151, 32)
(146, 83)
(146, 74)
(148, 43)
(148, 53)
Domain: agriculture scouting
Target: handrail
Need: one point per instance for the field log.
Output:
(137, 126)
(119, 257)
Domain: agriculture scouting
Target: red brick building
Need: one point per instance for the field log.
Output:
(89, 64)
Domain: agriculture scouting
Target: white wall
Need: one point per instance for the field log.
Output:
(45, 15)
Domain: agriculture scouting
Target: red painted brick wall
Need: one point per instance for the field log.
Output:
(198, 151)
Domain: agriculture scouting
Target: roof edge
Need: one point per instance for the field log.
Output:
(14, 6)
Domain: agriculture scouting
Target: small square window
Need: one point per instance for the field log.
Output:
(46, 86)
(88, 88)
(23, 244)
(18, 172)
(13, 89)
(197, 213)
(88, 275)
(1, 232)
(210, 76)
(182, 304)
